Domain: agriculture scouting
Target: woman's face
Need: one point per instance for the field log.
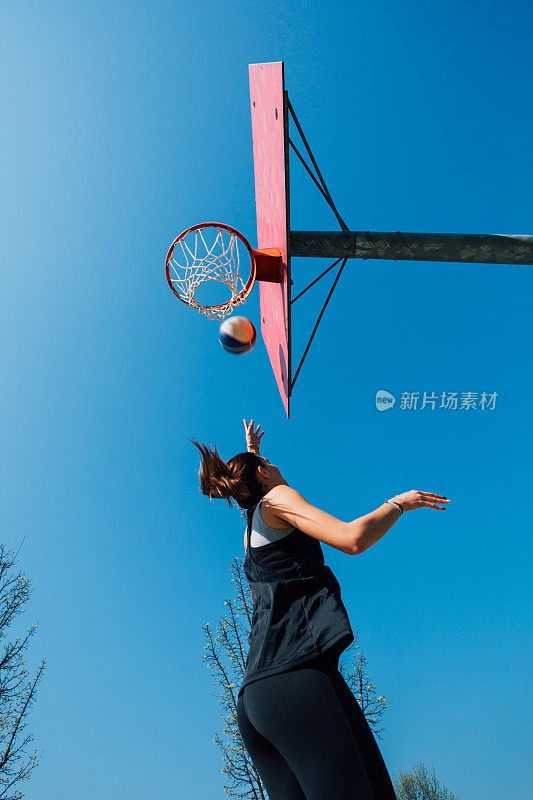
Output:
(269, 473)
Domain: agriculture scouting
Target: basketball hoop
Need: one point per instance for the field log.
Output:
(212, 251)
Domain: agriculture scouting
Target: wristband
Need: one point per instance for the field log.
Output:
(398, 505)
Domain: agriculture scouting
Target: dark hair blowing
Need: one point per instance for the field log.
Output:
(235, 479)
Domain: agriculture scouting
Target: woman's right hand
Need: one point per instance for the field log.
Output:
(415, 499)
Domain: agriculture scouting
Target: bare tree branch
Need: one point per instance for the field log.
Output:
(17, 690)
(421, 784)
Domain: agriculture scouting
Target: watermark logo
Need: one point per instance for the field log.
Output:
(446, 401)
(384, 400)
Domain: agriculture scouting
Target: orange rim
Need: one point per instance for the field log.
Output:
(243, 294)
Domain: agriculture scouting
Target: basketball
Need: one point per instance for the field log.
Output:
(237, 335)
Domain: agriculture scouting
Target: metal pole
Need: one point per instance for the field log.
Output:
(467, 247)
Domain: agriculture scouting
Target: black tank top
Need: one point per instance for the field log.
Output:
(298, 612)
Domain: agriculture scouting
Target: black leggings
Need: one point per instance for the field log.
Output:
(308, 738)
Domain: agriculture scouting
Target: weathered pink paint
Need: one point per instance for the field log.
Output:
(271, 166)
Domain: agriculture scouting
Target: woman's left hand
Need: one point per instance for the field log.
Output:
(253, 438)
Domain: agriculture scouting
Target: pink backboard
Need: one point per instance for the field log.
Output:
(270, 127)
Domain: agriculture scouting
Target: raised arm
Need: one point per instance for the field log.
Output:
(353, 538)
(253, 438)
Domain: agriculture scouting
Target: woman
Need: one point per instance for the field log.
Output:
(302, 726)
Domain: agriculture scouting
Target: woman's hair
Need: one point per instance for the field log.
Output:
(235, 479)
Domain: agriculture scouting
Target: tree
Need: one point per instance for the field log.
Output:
(226, 656)
(420, 784)
(356, 677)
(17, 691)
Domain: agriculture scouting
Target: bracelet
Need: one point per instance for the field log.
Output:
(398, 505)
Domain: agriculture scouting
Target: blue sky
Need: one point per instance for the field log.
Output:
(123, 124)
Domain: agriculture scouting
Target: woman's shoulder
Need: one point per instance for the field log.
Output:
(266, 508)
(288, 505)
(279, 498)
(263, 532)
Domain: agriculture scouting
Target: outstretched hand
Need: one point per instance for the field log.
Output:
(415, 499)
(253, 438)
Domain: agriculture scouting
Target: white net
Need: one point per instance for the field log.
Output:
(207, 254)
